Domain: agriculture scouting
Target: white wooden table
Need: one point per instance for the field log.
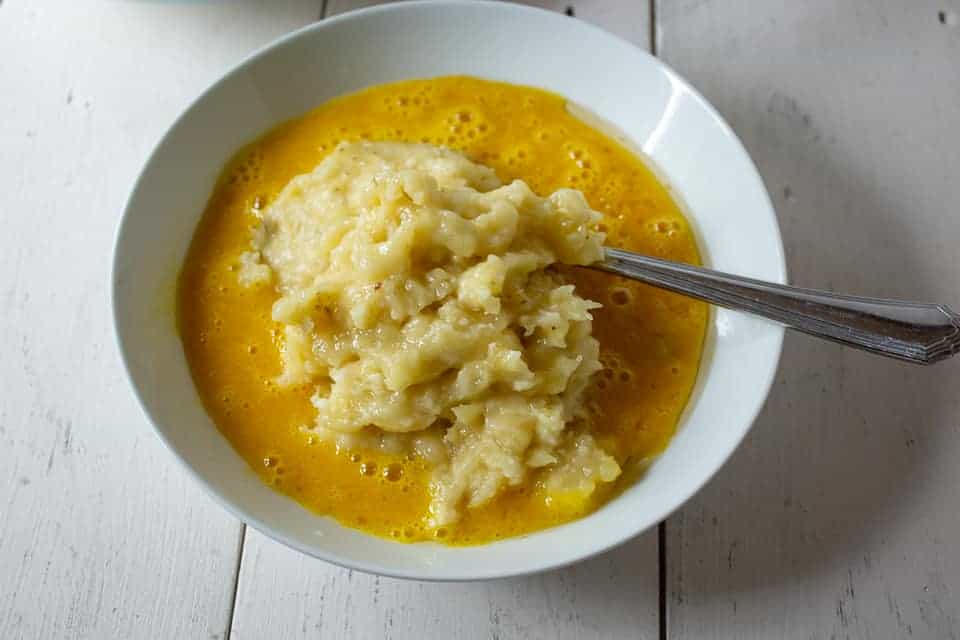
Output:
(839, 517)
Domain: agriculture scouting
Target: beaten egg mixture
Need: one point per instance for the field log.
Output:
(403, 473)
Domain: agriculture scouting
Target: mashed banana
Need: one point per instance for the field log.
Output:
(417, 298)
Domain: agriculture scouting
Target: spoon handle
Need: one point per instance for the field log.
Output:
(917, 332)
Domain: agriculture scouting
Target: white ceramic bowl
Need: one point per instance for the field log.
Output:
(689, 143)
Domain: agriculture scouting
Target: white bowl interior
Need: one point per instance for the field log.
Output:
(688, 142)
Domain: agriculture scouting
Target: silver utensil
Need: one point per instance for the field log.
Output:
(917, 332)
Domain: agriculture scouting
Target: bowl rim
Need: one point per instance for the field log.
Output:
(581, 553)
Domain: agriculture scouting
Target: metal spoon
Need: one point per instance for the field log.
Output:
(917, 332)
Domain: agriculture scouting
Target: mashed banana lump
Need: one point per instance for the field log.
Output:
(381, 312)
(415, 296)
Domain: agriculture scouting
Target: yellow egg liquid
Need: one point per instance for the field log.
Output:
(650, 340)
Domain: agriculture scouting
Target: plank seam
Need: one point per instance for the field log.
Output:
(653, 27)
(662, 527)
(236, 583)
(662, 577)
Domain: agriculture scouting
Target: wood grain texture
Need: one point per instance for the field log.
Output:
(102, 535)
(839, 515)
(283, 594)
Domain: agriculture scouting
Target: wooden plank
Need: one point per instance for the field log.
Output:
(629, 19)
(102, 535)
(283, 594)
(336, 7)
(839, 515)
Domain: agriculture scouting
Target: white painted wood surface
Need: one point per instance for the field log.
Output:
(283, 594)
(102, 535)
(629, 19)
(837, 518)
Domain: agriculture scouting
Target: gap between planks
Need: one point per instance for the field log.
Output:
(236, 578)
(662, 527)
(653, 27)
